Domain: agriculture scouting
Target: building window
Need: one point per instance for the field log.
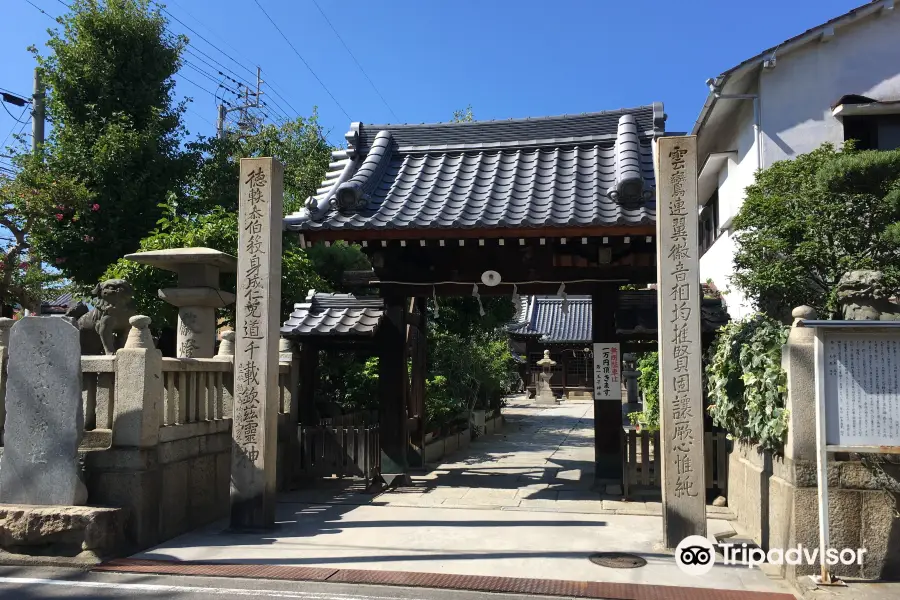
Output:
(709, 223)
(576, 365)
(873, 132)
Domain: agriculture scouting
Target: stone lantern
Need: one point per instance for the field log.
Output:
(544, 393)
(197, 296)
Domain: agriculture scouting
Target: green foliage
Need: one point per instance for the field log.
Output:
(116, 131)
(26, 199)
(475, 368)
(298, 144)
(460, 315)
(648, 382)
(348, 380)
(463, 115)
(808, 221)
(330, 262)
(208, 216)
(746, 384)
(217, 229)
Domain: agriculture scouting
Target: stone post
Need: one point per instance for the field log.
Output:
(139, 389)
(798, 361)
(680, 383)
(5, 325)
(255, 423)
(226, 352)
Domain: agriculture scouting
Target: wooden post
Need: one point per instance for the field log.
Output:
(607, 413)
(309, 372)
(392, 390)
(255, 422)
(680, 383)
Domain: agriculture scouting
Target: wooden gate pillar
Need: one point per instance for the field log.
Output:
(418, 345)
(309, 372)
(392, 389)
(607, 413)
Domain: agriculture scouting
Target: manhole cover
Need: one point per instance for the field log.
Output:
(617, 560)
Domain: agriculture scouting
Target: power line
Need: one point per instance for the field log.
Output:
(300, 56)
(195, 32)
(10, 114)
(41, 10)
(240, 79)
(21, 96)
(194, 83)
(344, 44)
(19, 120)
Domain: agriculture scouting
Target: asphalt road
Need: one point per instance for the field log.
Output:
(32, 583)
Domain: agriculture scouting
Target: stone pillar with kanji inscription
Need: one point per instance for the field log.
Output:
(680, 383)
(255, 423)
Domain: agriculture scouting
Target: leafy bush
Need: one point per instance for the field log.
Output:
(747, 386)
(648, 382)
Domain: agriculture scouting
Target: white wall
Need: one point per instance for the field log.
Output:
(795, 114)
(797, 94)
(734, 177)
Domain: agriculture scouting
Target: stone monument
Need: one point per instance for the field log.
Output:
(679, 300)
(863, 296)
(44, 415)
(197, 295)
(543, 392)
(254, 445)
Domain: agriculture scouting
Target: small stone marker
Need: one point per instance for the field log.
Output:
(255, 423)
(44, 415)
(680, 383)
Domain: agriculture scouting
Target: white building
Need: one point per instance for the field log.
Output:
(837, 81)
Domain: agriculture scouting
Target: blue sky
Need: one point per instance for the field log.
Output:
(506, 58)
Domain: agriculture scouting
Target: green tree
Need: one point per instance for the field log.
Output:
(116, 130)
(207, 216)
(26, 200)
(806, 222)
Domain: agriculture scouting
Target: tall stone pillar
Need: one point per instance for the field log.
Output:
(255, 422)
(607, 413)
(680, 378)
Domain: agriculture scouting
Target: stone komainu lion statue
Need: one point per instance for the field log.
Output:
(863, 295)
(104, 327)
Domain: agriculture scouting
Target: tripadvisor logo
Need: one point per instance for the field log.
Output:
(696, 555)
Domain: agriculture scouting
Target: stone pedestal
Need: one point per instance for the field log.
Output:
(197, 295)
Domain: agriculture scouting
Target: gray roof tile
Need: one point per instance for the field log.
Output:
(334, 315)
(579, 170)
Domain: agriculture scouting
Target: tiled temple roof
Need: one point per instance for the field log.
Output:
(571, 171)
(541, 317)
(334, 315)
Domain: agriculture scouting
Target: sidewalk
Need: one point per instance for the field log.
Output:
(519, 505)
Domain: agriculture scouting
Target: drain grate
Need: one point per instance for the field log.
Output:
(617, 560)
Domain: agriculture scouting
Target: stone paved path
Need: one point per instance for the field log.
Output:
(542, 460)
(516, 504)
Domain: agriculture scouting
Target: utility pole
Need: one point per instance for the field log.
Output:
(246, 121)
(220, 123)
(37, 113)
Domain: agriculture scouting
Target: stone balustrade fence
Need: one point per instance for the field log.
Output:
(193, 390)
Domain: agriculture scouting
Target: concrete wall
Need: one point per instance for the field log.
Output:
(795, 118)
(776, 498)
